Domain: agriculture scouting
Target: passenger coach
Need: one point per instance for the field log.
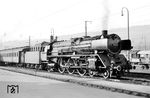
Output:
(32, 57)
(13, 56)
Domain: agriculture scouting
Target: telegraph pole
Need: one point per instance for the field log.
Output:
(29, 41)
(86, 27)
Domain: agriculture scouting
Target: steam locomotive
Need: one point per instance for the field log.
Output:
(90, 55)
(82, 55)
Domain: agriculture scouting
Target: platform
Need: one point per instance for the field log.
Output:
(115, 85)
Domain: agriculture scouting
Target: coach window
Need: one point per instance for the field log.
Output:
(39, 48)
(146, 55)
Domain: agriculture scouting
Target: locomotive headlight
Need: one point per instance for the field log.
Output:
(112, 62)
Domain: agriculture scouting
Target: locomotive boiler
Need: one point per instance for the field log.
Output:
(90, 55)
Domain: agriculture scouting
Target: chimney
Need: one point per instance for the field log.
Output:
(104, 32)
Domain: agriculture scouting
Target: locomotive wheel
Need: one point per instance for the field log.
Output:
(62, 64)
(106, 74)
(70, 63)
(81, 71)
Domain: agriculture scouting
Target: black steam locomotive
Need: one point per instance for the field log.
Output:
(90, 55)
(82, 55)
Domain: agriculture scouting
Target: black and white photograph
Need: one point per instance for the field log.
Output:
(74, 48)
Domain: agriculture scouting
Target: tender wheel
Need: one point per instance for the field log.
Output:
(62, 64)
(70, 63)
(106, 74)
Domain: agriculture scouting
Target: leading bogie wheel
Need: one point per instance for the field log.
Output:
(106, 74)
(91, 73)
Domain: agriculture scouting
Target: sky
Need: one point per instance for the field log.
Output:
(20, 19)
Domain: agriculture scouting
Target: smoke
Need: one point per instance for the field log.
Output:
(106, 13)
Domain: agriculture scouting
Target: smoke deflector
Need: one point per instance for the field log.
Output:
(125, 44)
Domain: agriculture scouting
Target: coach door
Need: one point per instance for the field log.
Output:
(21, 57)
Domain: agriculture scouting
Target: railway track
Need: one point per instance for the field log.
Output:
(132, 77)
(126, 80)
